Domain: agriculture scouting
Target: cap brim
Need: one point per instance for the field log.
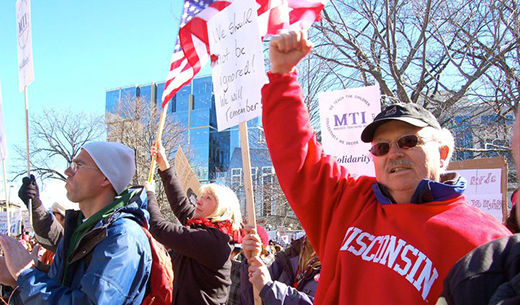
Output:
(368, 133)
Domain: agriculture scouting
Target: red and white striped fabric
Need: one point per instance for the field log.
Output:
(192, 49)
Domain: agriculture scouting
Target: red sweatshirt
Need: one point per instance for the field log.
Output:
(372, 253)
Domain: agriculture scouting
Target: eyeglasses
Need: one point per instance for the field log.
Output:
(404, 142)
(75, 166)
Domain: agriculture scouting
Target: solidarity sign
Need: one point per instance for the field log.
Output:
(343, 116)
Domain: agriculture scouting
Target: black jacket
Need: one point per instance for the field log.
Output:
(487, 275)
(201, 260)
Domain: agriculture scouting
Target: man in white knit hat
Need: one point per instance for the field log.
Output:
(104, 256)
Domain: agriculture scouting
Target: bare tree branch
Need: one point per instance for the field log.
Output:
(56, 136)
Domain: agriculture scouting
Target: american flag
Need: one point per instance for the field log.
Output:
(192, 47)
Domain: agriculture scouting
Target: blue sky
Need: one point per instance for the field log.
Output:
(81, 49)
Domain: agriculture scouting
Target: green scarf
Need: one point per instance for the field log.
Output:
(83, 227)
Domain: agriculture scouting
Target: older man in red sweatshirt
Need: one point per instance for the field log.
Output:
(389, 239)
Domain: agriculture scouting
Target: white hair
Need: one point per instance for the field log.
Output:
(228, 206)
(444, 138)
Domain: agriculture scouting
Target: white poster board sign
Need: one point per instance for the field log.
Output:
(15, 222)
(237, 63)
(483, 190)
(27, 225)
(343, 116)
(23, 30)
(486, 187)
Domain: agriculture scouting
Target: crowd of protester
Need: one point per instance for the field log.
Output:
(405, 236)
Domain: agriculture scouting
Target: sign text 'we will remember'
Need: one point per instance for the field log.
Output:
(237, 62)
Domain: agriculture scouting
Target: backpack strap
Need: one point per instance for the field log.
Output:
(159, 289)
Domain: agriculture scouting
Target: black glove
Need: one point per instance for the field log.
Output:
(29, 190)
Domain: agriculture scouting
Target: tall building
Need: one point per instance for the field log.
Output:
(193, 109)
(197, 118)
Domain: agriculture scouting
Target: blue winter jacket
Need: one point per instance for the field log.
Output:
(112, 264)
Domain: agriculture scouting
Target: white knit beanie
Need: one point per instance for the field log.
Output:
(61, 207)
(58, 208)
(115, 160)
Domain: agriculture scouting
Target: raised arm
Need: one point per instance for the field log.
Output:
(312, 181)
(47, 229)
(177, 198)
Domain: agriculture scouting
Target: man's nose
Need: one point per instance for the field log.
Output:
(68, 172)
(395, 150)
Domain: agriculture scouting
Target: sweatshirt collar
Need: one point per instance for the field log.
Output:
(451, 185)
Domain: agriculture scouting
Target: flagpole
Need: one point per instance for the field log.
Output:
(248, 186)
(29, 204)
(162, 120)
(248, 183)
(6, 201)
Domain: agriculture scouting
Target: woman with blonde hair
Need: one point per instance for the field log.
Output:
(202, 242)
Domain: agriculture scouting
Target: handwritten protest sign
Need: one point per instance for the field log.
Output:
(482, 181)
(15, 217)
(343, 116)
(237, 63)
(486, 187)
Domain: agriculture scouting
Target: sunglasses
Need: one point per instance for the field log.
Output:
(404, 142)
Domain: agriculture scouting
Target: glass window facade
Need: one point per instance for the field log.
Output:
(208, 150)
(182, 100)
(124, 98)
(128, 96)
(145, 93)
(463, 136)
(199, 118)
(203, 92)
(180, 117)
(112, 101)
(159, 94)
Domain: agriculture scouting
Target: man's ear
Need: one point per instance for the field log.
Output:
(106, 182)
(444, 152)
